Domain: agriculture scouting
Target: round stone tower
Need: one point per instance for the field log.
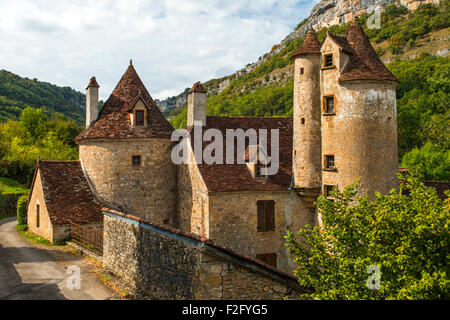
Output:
(359, 125)
(125, 153)
(306, 146)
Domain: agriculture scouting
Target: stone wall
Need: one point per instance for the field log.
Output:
(362, 134)
(233, 222)
(149, 190)
(164, 263)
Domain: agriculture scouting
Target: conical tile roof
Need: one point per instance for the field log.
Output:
(113, 121)
(310, 45)
(364, 63)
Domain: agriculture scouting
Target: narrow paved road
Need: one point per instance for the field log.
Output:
(37, 273)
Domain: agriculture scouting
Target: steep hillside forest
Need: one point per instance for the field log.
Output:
(422, 96)
(16, 93)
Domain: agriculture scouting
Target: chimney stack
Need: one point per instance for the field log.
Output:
(91, 101)
(196, 105)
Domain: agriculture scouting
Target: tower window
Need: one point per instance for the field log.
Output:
(268, 258)
(327, 188)
(302, 121)
(139, 117)
(301, 70)
(328, 60)
(266, 215)
(329, 162)
(329, 104)
(136, 161)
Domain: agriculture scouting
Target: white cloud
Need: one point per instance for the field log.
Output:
(172, 43)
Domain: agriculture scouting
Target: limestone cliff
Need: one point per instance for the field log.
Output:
(324, 14)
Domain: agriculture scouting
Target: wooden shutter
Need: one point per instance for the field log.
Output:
(270, 215)
(266, 215)
(269, 258)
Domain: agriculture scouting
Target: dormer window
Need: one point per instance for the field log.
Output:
(139, 113)
(328, 60)
(139, 117)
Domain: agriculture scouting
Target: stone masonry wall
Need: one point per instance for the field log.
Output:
(148, 191)
(362, 134)
(193, 201)
(168, 264)
(233, 222)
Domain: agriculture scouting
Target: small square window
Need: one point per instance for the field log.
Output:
(301, 70)
(136, 160)
(329, 162)
(328, 60)
(139, 117)
(329, 104)
(327, 188)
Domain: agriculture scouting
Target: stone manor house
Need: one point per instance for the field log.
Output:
(344, 128)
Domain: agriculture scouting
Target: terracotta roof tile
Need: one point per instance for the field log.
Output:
(113, 122)
(67, 194)
(364, 63)
(237, 177)
(310, 45)
(342, 42)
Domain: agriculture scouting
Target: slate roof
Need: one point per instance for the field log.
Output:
(237, 177)
(113, 121)
(67, 194)
(310, 45)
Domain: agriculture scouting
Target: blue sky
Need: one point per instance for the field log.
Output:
(172, 43)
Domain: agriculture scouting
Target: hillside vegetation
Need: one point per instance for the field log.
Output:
(423, 94)
(16, 93)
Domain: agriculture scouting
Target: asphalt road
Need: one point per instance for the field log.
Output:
(32, 272)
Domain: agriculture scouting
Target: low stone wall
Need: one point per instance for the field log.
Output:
(164, 263)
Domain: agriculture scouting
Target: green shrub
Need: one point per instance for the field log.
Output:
(22, 210)
(8, 203)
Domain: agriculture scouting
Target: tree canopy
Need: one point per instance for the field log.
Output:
(395, 247)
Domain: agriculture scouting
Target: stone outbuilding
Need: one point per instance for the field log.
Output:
(59, 194)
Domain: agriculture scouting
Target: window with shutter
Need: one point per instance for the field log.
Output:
(268, 258)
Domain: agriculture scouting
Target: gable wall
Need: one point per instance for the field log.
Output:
(37, 197)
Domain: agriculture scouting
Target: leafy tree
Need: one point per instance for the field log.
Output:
(33, 121)
(405, 234)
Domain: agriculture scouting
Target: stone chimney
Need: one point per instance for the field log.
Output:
(91, 101)
(196, 105)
